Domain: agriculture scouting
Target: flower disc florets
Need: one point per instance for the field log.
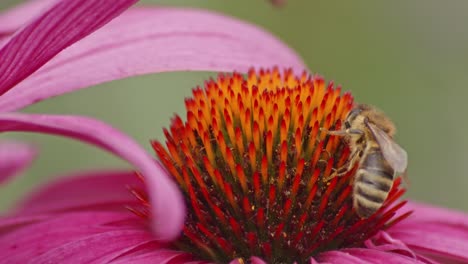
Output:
(251, 158)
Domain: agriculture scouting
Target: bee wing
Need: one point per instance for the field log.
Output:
(392, 152)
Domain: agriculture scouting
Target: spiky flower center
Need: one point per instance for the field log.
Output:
(251, 161)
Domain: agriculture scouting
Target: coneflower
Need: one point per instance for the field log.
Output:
(242, 175)
(251, 160)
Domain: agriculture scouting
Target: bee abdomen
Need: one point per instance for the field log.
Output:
(374, 162)
(371, 189)
(375, 178)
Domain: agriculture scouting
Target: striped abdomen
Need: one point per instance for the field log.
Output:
(372, 182)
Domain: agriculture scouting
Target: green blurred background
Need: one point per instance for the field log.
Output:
(409, 58)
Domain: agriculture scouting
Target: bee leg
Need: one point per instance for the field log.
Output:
(354, 131)
(341, 171)
(337, 173)
(345, 132)
(334, 132)
(322, 161)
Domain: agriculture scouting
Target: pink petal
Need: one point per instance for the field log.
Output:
(103, 190)
(18, 16)
(382, 241)
(14, 157)
(438, 239)
(256, 260)
(366, 256)
(53, 236)
(313, 261)
(425, 212)
(98, 248)
(160, 256)
(340, 257)
(436, 231)
(166, 200)
(11, 223)
(151, 40)
(59, 27)
(374, 256)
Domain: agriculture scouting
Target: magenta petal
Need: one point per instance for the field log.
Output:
(18, 16)
(340, 257)
(384, 242)
(438, 231)
(98, 248)
(442, 240)
(313, 261)
(11, 223)
(59, 27)
(425, 212)
(374, 256)
(166, 200)
(160, 256)
(366, 256)
(152, 40)
(257, 260)
(104, 190)
(14, 157)
(31, 241)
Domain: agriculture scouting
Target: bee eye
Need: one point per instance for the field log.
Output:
(347, 124)
(353, 114)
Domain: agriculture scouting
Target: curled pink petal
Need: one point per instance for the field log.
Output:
(14, 157)
(152, 40)
(384, 242)
(18, 16)
(59, 27)
(166, 200)
(103, 190)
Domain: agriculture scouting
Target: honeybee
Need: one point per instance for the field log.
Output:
(368, 132)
